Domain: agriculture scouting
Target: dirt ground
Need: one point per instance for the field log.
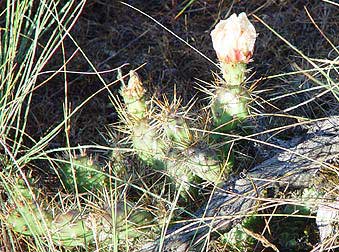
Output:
(113, 34)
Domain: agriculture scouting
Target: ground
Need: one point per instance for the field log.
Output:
(113, 34)
(175, 51)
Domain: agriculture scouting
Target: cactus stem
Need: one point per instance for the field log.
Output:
(233, 73)
(133, 95)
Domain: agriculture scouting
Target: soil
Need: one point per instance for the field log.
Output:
(113, 35)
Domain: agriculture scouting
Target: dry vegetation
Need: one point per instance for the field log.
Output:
(112, 35)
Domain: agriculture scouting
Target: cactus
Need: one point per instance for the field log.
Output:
(163, 139)
(238, 238)
(169, 143)
(233, 73)
(229, 107)
(26, 217)
(197, 159)
(172, 120)
(177, 130)
(72, 229)
(150, 147)
(28, 220)
(88, 174)
(131, 222)
(192, 156)
(133, 95)
(233, 40)
(203, 162)
(180, 172)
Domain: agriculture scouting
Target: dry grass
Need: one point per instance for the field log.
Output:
(112, 34)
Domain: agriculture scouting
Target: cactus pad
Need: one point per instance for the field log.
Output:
(88, 174)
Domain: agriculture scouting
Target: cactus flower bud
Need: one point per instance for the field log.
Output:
(133, 95)
(233, 39)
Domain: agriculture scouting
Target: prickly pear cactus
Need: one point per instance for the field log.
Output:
(229, 107)
(25, 215)
(73, 229)
(179, 171)
(70, 230)
(82, 171)
(131, 222)
(172, 120)
(233, 73)
(163, 139)
(238, 238)
(134, 96)
(149, 146)
(28, 220)
(197, 160)
(204, 162)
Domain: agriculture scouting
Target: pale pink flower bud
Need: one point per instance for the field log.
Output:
(233, 39)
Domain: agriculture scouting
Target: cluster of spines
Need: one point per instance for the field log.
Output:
(162, 137)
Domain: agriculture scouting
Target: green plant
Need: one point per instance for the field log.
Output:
(162, 136)
(164, 140)
(82, 172)
(28, 216)
(30, 33)
(237, 239)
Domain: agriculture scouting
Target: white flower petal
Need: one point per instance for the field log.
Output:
(233, 39)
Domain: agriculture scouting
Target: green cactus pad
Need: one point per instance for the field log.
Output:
(229, 106)
(88, 174)
(136, 223)
(72, 229)
(149, 146)
(233, 73)
(26, 219)
(69, 230)
(177, 130)
(204, 163)
(21, 192)
(179, 171)
(185, 166)
(124, 219)
(237, 239)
